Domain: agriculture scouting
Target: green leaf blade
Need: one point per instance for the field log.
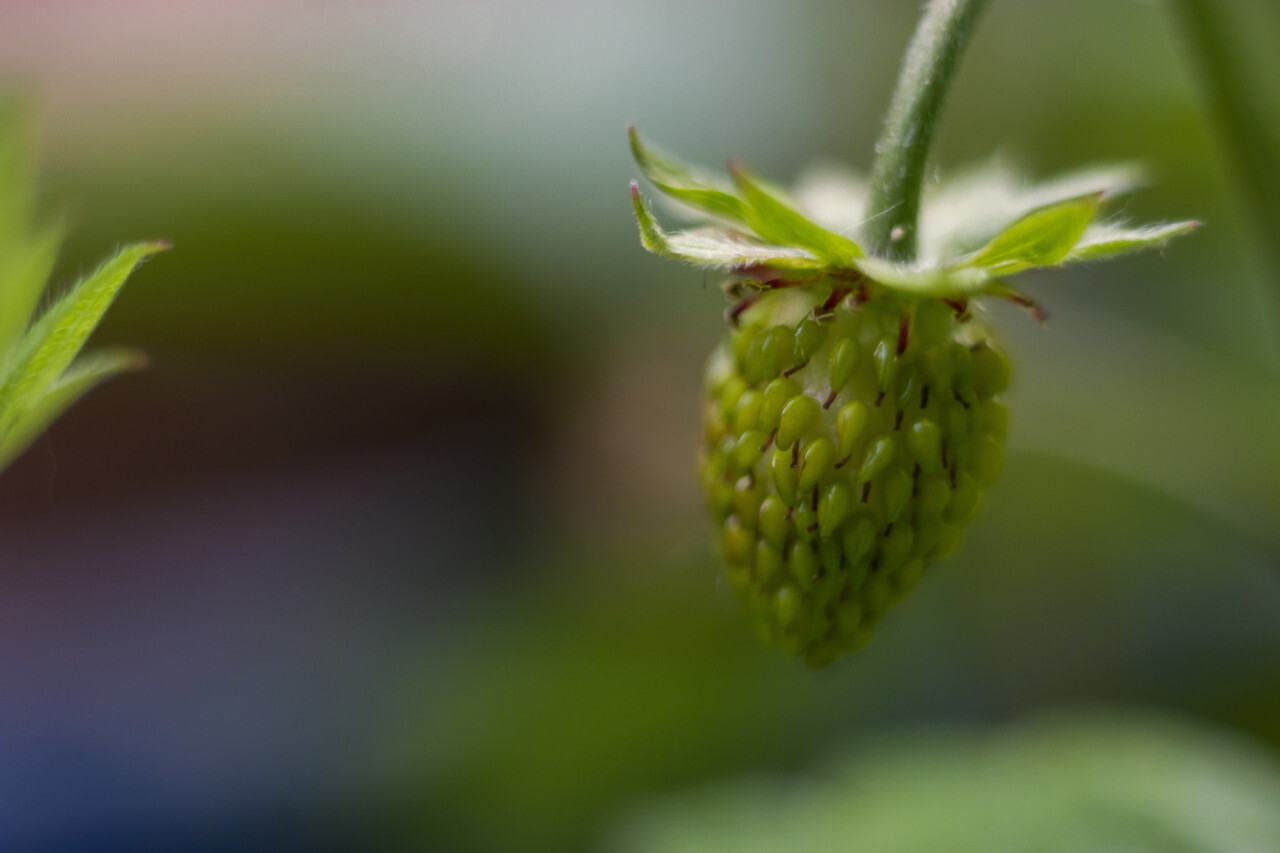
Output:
(1042, 238)
(965, 212)
(924, 280)
(82, 376)
(53, 342)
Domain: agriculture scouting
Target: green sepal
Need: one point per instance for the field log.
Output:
(1041, 238)
(1105, 241)
(714, 247)
(966, 212)
(84, 374)
(778, 222)
(681, 183)
(51, 344)
(922, 279)
(1005, 227)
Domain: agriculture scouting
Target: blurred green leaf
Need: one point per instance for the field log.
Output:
(27, 250)
(1186, 422)
(1240, 108)
(25, 266)
(85, 373)
(1077, 783)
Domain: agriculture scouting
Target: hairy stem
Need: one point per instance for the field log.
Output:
(897, 175)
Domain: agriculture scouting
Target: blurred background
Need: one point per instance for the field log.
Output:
(398, 545)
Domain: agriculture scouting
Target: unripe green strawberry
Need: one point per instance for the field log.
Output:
(845, 446)
(853, 414)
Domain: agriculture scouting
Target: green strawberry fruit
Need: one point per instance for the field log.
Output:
(846, 445)
(853, 414)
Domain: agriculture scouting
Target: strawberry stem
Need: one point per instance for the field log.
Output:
(897, 175)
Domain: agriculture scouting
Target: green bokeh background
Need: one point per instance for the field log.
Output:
(398, 545)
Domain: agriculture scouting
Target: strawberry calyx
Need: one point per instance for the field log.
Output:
(974, 234)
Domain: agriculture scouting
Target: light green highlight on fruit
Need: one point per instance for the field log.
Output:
(746, 413)
(773, 521)
(786, 479)
(850, 421)
(768, 562)
(804, 563)
(788, 605)
(833, 508)
(886, 363)
(925, 442)
(878, 457)
(932, 496)
(749, 449)
(896, 488)
(809, 337)
(747, 495)
(777, 350)
(815, 461)
(776, 395)
(844, 360)
(799, 415)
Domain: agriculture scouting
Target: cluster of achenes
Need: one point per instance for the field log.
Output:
(41, 369)
(853, 412)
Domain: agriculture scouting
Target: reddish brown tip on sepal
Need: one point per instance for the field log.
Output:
(1032, 307)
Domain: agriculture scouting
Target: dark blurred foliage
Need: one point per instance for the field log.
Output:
(398, 544)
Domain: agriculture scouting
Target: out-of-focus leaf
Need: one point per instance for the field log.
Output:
(27, 251)
(24, 270)
(87, 372)
(17, 167)
(53, 342)
(1163, 424)
(1067, 784)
